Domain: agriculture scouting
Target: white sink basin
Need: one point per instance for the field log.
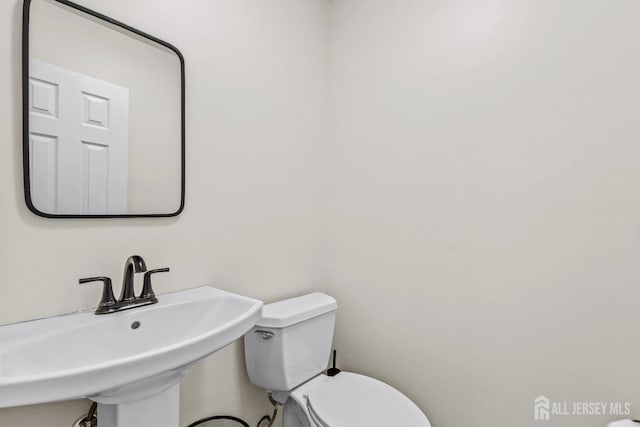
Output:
(122, 357)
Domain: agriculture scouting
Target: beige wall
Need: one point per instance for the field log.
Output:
(255, 108)
(484, 210)
(477, 216)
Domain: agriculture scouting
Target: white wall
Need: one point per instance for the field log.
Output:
(255, 117)
(484, 212)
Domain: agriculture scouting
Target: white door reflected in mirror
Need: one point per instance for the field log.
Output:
(78, 142)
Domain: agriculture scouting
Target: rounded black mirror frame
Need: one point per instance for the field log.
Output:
(25, 111)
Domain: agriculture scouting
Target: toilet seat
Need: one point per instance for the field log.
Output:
(349, 400)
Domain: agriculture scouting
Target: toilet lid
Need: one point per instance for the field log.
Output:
(349, 400)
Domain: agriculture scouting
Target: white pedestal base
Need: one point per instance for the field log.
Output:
(160, 410)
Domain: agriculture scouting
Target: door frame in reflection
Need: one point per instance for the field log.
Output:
(26, 110)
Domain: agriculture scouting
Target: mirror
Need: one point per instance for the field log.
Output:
(103, 112)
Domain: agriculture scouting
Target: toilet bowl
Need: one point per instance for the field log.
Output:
(287, 353)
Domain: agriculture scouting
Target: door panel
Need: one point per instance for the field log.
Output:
(86, 121)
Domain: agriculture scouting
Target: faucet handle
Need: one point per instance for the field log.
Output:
(147, 290)
(108, 299)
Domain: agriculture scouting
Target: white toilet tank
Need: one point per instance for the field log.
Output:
(291, 343)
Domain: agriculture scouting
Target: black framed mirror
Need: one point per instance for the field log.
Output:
(103, 116)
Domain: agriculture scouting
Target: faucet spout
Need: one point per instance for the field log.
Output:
(134, 264)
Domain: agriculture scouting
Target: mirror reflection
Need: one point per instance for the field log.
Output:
(105, 130)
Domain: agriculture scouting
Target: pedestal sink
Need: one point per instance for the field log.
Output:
(130, 362)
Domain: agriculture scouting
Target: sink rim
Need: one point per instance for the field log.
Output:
(108, 363)
(134, 368)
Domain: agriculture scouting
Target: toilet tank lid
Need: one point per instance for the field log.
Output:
(294, 310)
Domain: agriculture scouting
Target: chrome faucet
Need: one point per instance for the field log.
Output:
(128, 299)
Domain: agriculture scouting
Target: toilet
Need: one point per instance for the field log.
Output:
(287, 353)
